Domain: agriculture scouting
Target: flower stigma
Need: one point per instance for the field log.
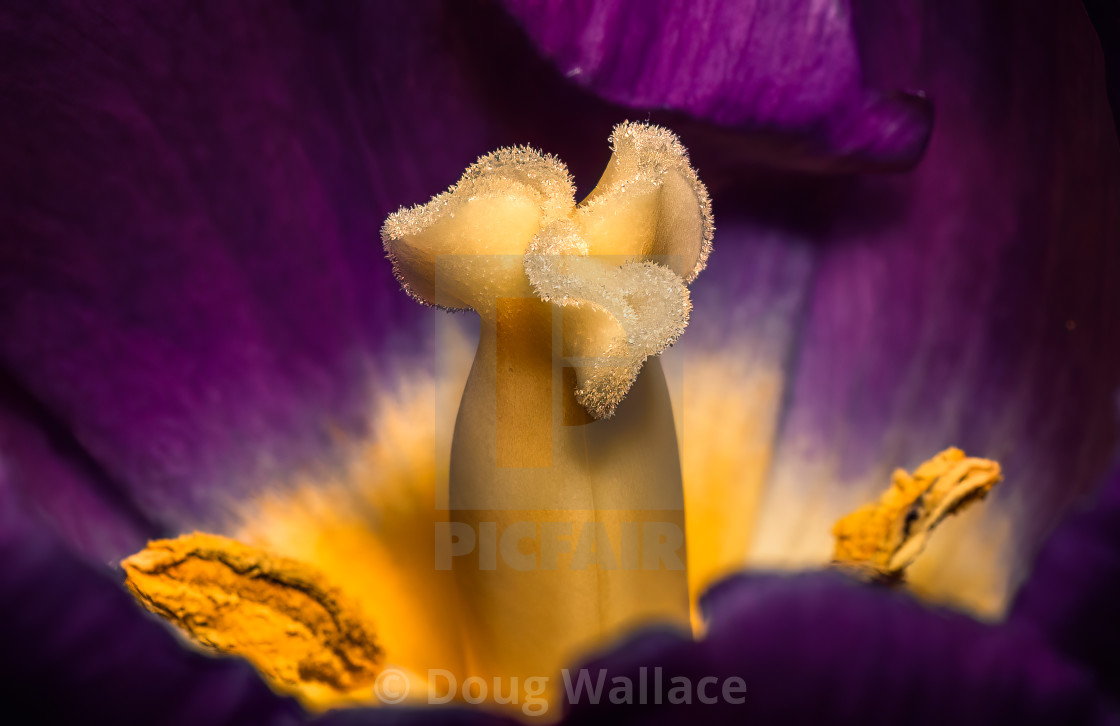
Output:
(618, 263)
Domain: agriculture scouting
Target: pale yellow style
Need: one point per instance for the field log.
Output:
(567, 513)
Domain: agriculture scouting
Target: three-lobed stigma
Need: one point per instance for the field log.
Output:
(618, 263)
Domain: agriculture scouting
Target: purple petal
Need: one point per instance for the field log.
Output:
(47, 476)
(971, 303)
(191, 280)
(819, 648)
(77, 649)
(1106, 18)
(1073, 594)
(776, 68)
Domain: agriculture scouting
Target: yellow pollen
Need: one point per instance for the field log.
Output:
(298, 630)
(879, 541)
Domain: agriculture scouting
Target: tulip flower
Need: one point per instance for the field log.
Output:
(916, 207)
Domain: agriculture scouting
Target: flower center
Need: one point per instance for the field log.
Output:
(563, 525)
